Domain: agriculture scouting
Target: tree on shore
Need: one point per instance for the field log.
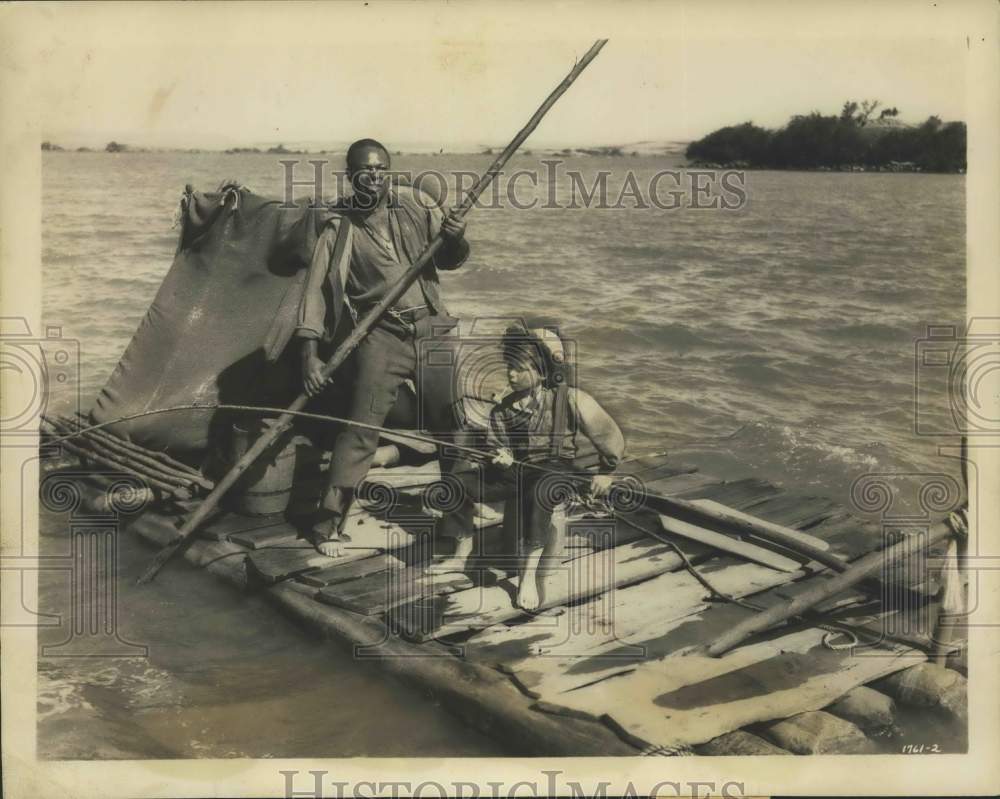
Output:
(848, 140)
(115, 147)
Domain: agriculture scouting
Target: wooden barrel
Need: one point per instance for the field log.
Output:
(266, 487)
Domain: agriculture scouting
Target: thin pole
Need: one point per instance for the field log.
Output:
(825, 588)
(363, 327)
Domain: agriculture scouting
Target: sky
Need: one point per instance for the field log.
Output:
(459, 76)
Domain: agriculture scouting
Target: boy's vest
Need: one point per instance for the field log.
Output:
(547, 432)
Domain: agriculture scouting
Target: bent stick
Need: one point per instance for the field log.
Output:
(284, 422)
(866, 566)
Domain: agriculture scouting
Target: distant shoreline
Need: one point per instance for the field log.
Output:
(679, 159)
(892, 168)
(675, 149)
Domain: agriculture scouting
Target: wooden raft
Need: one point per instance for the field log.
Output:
(621, 647)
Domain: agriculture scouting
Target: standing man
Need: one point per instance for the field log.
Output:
(374, 237)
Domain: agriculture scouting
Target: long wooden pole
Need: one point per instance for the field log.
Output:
(719, 517)
(864, 567)
(365, 324)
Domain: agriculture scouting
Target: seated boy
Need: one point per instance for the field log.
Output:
(533, 432)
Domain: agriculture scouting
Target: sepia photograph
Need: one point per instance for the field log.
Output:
(470, 400)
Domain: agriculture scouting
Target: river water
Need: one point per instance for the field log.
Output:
(777, 339)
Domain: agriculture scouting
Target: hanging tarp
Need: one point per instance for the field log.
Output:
(230, 296)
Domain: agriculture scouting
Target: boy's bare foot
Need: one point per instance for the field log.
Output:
(457, 562)
(445, 566)
(331, 547)
(484, 515)
(527, 593)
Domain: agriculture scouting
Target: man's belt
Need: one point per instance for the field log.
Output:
(409, 315)
(402, 321)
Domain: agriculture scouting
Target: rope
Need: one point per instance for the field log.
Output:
(832, 631)
(265, 409)
(592, 503)
(666, 751)
(689, 566)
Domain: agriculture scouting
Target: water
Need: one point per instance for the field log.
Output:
(226, 676)
(777, 340)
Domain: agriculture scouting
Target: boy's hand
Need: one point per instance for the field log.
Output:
(600, 484)
(503, 457)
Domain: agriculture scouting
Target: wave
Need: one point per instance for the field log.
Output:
(866, 331)
(672, 336)
(808, 459)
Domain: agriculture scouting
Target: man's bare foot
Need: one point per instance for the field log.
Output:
(328, 541)
(457, 562)
(527, 593)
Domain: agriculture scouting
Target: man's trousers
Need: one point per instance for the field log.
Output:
(381, 362)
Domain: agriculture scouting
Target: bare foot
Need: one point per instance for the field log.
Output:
(484, 515)
(457, 562)
(527, 593)
(328, 541)
(446, 565)
(332, 548)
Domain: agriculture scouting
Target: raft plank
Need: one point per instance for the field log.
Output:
(681, 484)
(367, 531)
(640, 624)
(290, 560)
(713, 505)
(380, 592)
(578, 578)
(793, 510)
(345, 572)
(688, 700)
(848, 536)
(588, 534)
(739, 494)
(224, 524)
(664, 616)
(730, 544)
(651, 468)
(281, 533)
